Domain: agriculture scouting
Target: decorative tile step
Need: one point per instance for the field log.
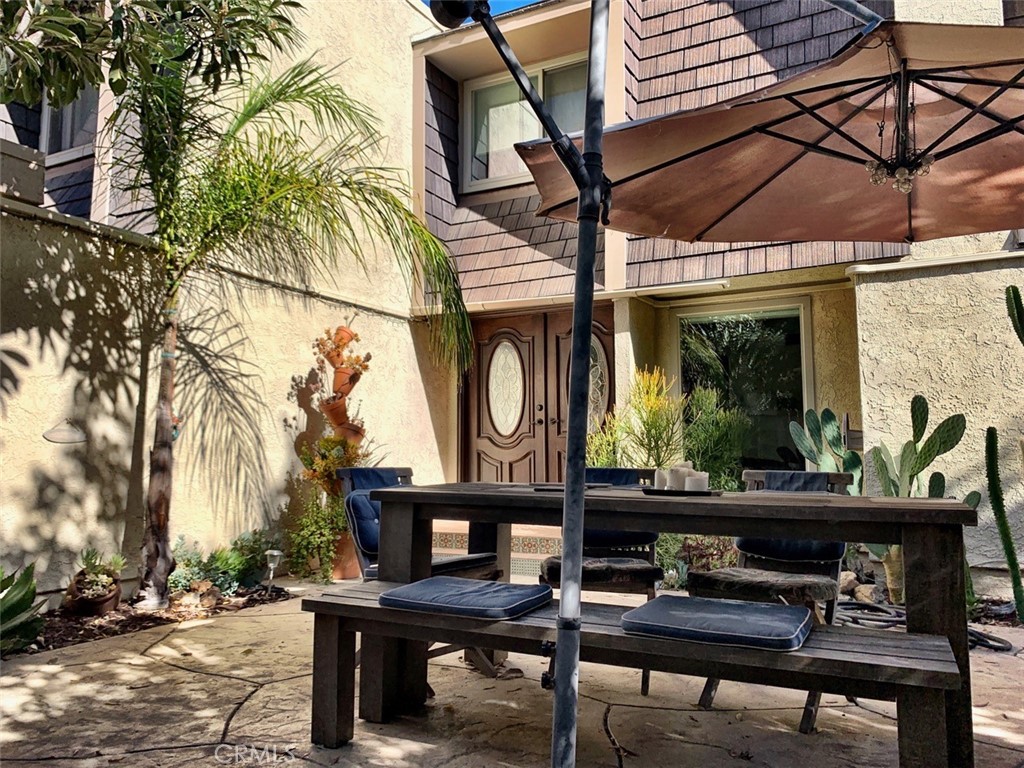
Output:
(537, 546)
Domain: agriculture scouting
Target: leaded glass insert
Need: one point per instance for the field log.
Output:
(505, 388)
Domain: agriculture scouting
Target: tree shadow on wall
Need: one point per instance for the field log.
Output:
(89, 309)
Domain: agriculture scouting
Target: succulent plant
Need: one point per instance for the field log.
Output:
(20, 623)
(822, 444)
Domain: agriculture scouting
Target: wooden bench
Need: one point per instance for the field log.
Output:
(913, 670)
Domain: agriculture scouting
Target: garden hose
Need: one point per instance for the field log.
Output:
(888, 616)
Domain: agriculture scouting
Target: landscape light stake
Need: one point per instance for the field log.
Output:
(587, 172)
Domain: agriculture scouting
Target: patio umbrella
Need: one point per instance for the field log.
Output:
(911, 132)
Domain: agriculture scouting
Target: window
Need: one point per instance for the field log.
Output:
(498, 117)
(72, 127)
(757, 362)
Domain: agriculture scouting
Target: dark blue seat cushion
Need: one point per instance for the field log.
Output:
(369, 478)
(794, 550)
(440, 565)
(364, 519)
(467, 597)
(607, 539)
(612, 475)
(764, 626)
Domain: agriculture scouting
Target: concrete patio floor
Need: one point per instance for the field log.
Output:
(234, 690)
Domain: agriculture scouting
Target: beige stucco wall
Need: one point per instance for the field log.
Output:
(942, 331)
(67, 312)
(834, 327)
(70, 334)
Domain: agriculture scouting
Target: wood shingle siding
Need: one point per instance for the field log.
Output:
(70, 192)
(694, 53)
(442, 150)
(20, 124)
(1013, 13)
(505, 252)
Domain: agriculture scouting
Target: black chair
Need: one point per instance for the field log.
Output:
(363, 515)
(615, 561)
(795, 572)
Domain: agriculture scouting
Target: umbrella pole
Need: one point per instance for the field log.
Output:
(592, 198)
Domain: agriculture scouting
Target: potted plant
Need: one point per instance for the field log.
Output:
(96, 588)
(321, 459)
(319, 543)
(346, 368)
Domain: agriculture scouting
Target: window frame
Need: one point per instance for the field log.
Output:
(65, 155)
(802, 304)
(469, 87)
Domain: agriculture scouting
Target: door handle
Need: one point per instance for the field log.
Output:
(553, 420)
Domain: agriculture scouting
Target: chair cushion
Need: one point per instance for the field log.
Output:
(604, 570)
(613, 475)
(364, 519)
(467, 597)
(761, 585)
(763, 626)
(439, 565)
(793, 550)
(369, 478)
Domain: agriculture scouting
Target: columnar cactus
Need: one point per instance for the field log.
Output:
(1015, 309)
(822, 444)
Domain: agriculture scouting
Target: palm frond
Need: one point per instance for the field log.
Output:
(304, 87)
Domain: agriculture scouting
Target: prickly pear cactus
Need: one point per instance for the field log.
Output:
(822, 445)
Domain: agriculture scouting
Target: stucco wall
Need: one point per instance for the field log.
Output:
(834, 326)
(942, 331)
(72, 310)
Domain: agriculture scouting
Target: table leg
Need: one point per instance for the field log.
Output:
(497, 538)
(393, 679)
(933, 564)
(334, 672)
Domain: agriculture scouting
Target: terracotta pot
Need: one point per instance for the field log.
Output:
(92, 606)
(343, 336)
(346, 564)
(345, 379)
(354, 433)
(335, 358)
(336, 412)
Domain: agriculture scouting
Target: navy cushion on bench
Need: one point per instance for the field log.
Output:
(467, 597)
(763, 626)
(365, 514)
(440, 565)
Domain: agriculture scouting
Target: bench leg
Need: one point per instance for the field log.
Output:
(707, 696)
(810, 712)
(921, 721)
(334, 691)
(393, 677)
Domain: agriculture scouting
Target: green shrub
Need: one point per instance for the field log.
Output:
(313, 536)
(224, 567)
(20, 623)
(714, 437)
(252, 547)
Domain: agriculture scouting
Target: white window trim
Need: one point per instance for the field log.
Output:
(466, 115)
(66, 155)
(800, 303)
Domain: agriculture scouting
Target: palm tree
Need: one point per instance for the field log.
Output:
(277, 178)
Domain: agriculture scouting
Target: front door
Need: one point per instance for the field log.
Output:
(515, 401)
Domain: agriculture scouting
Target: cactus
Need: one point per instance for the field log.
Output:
(995, 494)
(822, 445)
(1015, 309)
(902, 478)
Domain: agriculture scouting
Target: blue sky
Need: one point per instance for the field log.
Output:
(501, 6)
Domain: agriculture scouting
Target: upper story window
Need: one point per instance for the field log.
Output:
(69, 132)
(497, 116)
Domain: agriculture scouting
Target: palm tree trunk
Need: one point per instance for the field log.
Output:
(158, 561)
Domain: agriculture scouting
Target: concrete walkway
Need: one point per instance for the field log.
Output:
(234, 690)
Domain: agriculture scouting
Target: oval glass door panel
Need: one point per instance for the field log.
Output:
(597, 401)
(598, 404)
(506, 386)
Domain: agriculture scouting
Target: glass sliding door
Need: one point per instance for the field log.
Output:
(756, 362)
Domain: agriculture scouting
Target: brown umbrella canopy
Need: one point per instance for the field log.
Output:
(913, 132)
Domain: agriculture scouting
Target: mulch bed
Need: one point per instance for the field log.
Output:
(63, 628)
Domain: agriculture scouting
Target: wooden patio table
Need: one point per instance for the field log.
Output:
(930, 530)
